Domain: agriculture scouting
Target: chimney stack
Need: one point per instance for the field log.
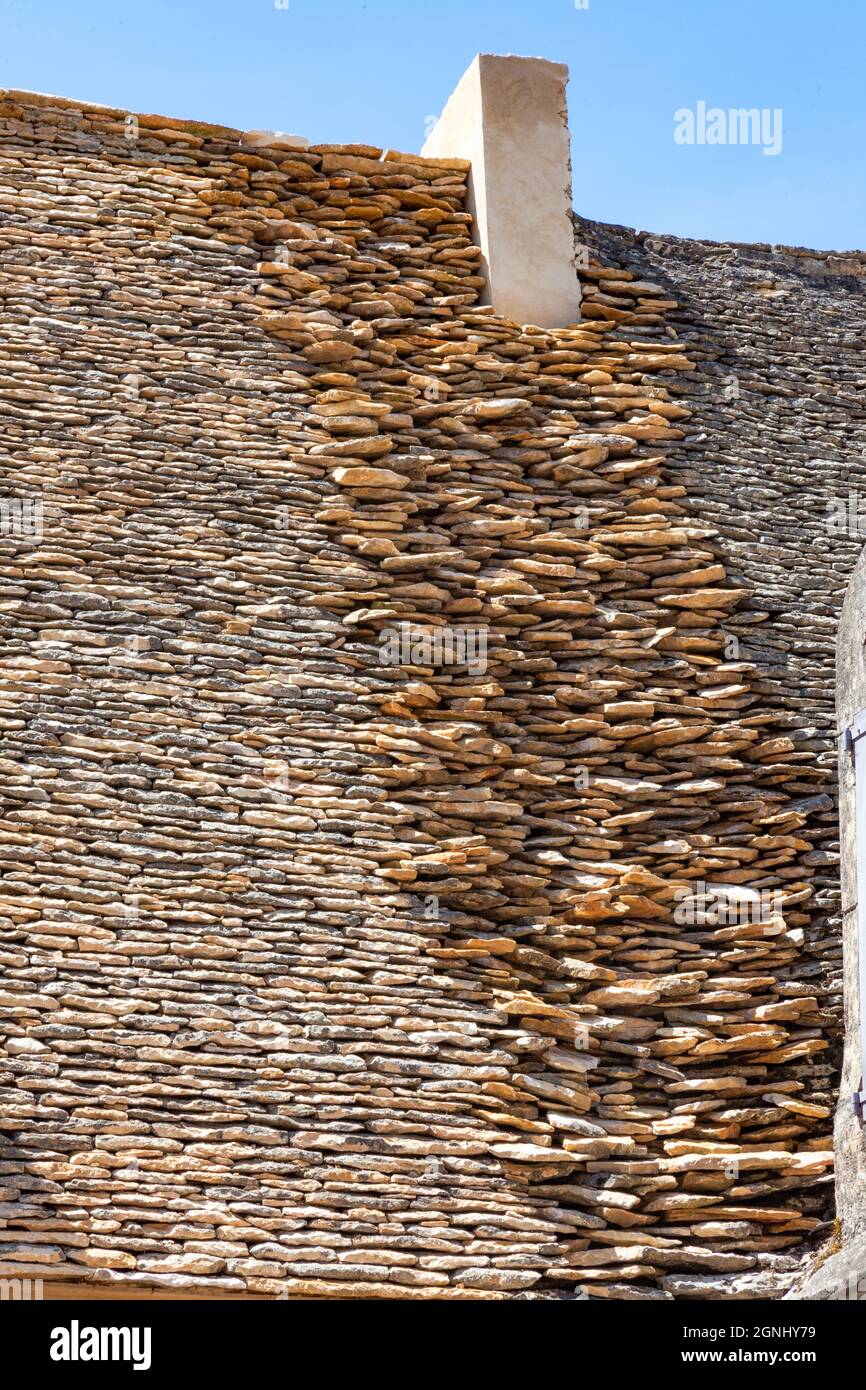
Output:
(508, 116)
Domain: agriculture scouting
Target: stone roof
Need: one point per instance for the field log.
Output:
(329, 976)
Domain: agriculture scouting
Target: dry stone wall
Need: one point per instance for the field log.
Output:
(777, 460)
(333, 966)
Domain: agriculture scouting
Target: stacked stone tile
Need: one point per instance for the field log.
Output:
(778, 412)
(328, 976)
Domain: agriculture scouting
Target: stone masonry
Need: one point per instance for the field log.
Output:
(329, 975)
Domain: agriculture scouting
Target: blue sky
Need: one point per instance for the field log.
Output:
(375, 71)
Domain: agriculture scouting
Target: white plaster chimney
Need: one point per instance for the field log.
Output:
(508, 116)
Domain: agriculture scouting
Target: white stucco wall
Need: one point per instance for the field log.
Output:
(850, 1135)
